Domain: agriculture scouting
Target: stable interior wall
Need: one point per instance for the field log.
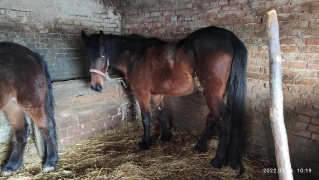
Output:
(53, 29)
(299, 38)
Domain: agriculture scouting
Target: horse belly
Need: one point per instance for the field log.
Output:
(177, 86)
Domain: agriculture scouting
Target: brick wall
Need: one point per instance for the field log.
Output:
(299, 32)
(52, 28)
(81, 112)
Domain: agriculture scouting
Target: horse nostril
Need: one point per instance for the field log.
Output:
(98, 88)
(92, 87)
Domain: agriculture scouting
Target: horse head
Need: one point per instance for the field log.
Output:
(95, 52)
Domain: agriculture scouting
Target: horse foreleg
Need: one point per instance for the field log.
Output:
(144, 102)
(161, 115)
(210, 124)
(21, 132)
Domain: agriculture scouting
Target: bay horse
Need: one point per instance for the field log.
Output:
(212, 59)
(25, 87)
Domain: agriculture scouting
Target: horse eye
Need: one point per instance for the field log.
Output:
(102, 56)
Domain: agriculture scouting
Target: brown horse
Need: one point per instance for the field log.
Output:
(211, 58)
(25, 87)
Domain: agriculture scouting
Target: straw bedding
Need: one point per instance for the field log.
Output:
(115, 155)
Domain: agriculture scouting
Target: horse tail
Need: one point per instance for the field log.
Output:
(236, 94)
(49, 99)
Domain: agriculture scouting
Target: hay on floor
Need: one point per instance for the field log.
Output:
(115, 155)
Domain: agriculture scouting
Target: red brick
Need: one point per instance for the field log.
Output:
(222, 2)
(287, 9)
(73, 120)
(307, 112)
(71, 141)
(312, 41)
(316, 89)
(305, 119)
(253, 68)
(259, 27)
(86, 135)
(311, 57)
(308, 15)
(231, 7)
(294, 101)
(62, 123)
(295, 65)
(86, 127)
(313, 128)
(62, 133)
(315, 136)
(289, 49)
(249, 20)
(88, 117)
(305, 134)
(311, 32)
(98, 124)
(289, 17)
(293, 25)
(313, 97)
(287, 40)
(99, 114)
(301, 126)
(75, 131)
(306, 89)
(262, 11)
(307, 81)
(212, 16)
(313, 66)
(315, 121)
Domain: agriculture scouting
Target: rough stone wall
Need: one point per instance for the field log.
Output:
(299, 32)
(52, 28)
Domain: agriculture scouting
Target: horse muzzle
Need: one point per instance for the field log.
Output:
(97, 88)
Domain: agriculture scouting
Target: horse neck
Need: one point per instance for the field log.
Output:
(127, 50)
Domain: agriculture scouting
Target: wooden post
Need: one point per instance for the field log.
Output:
(276, 105)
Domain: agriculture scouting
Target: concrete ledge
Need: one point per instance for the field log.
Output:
(81, 112)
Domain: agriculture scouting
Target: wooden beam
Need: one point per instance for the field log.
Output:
(276, 105)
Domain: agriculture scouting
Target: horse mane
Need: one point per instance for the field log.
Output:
(136, 44)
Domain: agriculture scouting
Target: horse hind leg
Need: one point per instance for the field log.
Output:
(161, 115)
(210, 124)
(21, 131)
(47, 129)
(219, 112)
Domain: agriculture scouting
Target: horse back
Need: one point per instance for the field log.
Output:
(165, 69)
(21, 71)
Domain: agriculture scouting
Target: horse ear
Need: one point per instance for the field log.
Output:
(84, 37)
(101, 36)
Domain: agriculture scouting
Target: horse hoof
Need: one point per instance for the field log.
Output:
(200, 148)
(166, 137)
(6, 173)
(144, 146)
(48, 169)
(218, 163)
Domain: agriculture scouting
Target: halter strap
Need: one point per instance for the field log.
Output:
(98, 72)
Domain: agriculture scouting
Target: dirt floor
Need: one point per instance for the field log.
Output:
(115, 155)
